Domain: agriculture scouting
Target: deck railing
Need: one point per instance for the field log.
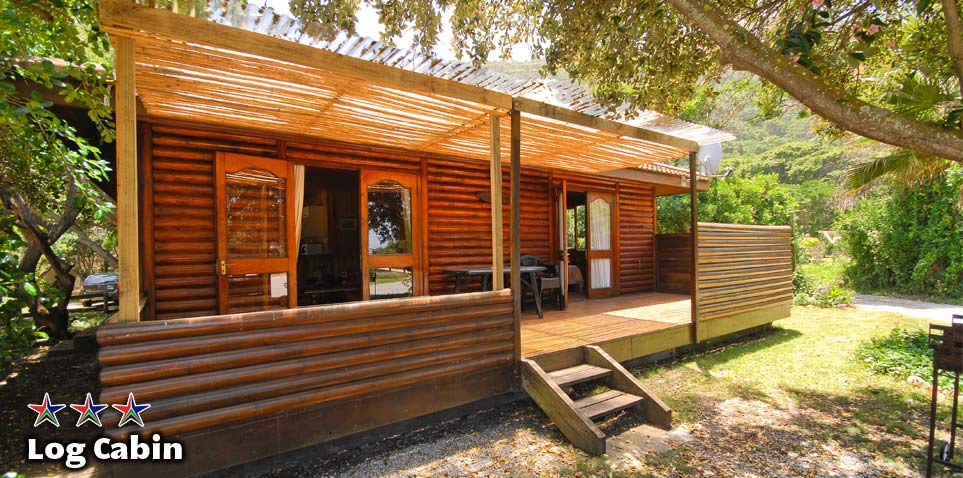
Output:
(245, 386)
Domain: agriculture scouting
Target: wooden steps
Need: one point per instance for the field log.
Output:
(575, 417)
(578, 374)
(606, 403)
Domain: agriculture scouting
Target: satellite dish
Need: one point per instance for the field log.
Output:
(709, 157)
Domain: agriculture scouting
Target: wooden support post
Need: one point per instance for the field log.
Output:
(694, 245)
(128, 253)
(498, 240)
(516, 283)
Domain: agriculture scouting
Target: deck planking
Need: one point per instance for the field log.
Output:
(591, 322)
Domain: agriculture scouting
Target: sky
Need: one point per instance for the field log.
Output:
(369, 26)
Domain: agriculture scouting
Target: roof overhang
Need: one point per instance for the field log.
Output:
(249, 68)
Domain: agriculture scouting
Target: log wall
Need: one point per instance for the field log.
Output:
(636, 238)
(674, 263)
(459, 222)
(178, 223)
(743, 269)
(207, 373)
(179, 231)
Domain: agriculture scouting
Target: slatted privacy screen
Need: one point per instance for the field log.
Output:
(743, 268)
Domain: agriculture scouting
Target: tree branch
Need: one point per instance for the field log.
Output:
(954, 38)
(84, 239)
(745, 51)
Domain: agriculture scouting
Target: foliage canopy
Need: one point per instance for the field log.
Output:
(50, 52)
(878, 68)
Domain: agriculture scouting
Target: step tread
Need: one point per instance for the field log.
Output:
(578, 374)
(606, 403)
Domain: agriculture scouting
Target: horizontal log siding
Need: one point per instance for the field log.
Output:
(743, 269)
(215, 371)
(184, 233)
(459, 222)
(674, 263)
(636, 238)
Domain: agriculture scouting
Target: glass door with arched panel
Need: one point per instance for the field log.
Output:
(600, 244)
(390, 241)
(255, 243)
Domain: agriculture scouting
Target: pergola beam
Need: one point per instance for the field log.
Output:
(119, 15)
(122, 17)
(566, 115)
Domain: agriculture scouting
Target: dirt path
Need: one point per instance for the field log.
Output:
(924, 310)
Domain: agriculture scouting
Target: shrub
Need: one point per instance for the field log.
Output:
(17, 334)
(808, 291)
(902, 353)
(909, 241)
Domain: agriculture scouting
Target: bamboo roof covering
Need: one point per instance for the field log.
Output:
(239, 66)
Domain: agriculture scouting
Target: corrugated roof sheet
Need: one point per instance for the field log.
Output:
(555, 92)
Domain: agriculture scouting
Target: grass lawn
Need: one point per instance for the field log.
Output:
(791, 402)
(794, 402)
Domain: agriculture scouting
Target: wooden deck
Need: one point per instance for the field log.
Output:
(603, 321)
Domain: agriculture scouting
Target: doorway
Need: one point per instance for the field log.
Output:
(589, 221)
(576, 240)
(329, 256)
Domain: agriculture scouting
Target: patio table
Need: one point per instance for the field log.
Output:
(529, 279)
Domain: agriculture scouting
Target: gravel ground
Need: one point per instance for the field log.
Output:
(512, 440)
(67, 378)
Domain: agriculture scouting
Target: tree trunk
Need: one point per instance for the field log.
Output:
(744, 51)
(53, 320)
(954, 38)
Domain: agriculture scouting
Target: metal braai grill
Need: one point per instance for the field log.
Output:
(947, 344)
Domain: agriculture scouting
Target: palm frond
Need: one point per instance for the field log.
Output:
(905, 168)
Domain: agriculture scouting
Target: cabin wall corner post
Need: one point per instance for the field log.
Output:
(516, 145)
(694, 245)
(127, 197)
(498, 252)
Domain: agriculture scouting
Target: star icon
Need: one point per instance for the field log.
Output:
(131, 411)
(46, 411)
(89, 411)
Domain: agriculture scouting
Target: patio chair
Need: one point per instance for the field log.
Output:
(550, 280)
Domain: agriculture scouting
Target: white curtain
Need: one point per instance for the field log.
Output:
(601, 273)
(600, 217)
(298, 201)
(600, 222)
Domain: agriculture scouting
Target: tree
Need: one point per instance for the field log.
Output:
(48, 169)
(754, 200)
(884, 69)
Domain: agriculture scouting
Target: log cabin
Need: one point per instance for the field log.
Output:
(323, 241)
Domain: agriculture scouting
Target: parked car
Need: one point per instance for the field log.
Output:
(99, 284)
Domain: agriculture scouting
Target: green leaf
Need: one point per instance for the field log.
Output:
(30, 289)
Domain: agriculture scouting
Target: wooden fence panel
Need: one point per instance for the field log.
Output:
(743, 269)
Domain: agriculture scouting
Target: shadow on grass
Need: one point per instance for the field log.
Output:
(865, 431)
(716, 354)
